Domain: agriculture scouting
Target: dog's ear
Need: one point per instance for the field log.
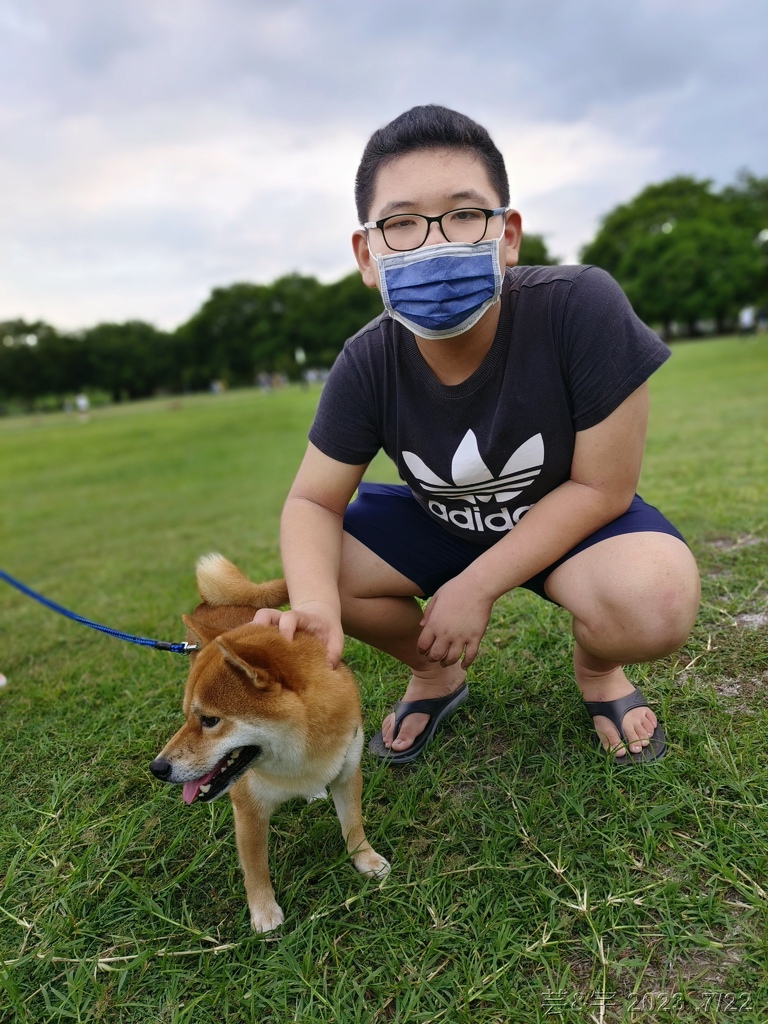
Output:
(256, 673)
(198, 631)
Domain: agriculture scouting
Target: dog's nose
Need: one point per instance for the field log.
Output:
(161, 768)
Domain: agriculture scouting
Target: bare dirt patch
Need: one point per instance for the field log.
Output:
(744, 540)
(756, 620)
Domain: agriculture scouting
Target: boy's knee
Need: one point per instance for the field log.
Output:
(673, 612)
(649, 620)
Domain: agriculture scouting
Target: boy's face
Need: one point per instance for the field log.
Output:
(432, 182)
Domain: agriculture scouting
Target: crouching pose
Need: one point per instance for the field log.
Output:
(514, 402)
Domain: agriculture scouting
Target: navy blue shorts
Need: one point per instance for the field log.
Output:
(388, 520)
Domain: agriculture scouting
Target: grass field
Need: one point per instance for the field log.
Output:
(531, 880)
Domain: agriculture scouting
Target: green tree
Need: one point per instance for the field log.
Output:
(129, 360)
(247, 329)
(681, 253)
(748, 199)
(35, 361)
(534, 252)
(346, 306)
(222, 339)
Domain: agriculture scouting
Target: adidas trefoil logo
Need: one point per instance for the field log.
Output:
(472, 480)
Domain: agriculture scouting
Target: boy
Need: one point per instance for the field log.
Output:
(514, 403)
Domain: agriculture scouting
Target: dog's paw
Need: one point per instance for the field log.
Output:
(266, 917)
(321, 794)
(370, 864)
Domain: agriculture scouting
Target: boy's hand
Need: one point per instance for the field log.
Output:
(453, 625)
(312, 617)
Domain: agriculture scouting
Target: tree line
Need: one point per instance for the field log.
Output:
(683, 252)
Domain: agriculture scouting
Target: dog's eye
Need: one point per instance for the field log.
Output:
(208, 721)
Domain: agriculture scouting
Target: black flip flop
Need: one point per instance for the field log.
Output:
(615, 710)
(438, 709)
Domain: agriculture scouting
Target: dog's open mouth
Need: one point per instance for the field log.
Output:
(221, 777)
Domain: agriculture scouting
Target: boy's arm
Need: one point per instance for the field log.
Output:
(310, 546)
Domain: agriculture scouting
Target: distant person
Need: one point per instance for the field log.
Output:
(747, 320)
(761, 320)
(514, 402)
(82, 404)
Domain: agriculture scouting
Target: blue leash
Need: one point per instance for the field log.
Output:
(159, 645)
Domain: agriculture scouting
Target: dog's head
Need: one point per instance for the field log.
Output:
(241, 699)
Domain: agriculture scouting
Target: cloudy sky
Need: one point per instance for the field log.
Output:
(151, 150)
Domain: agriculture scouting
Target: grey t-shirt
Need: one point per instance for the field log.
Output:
(567, 352)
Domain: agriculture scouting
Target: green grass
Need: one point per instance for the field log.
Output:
(531, 881)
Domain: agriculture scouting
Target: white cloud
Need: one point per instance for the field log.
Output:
(151, 153)
(553, 168)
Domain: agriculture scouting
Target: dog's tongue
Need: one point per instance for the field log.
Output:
(191, 789)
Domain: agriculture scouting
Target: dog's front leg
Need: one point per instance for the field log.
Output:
(347, 792)
(251, 833)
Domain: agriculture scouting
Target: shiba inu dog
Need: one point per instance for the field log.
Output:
(266, 720)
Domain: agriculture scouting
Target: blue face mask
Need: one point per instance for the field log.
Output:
(442, 290)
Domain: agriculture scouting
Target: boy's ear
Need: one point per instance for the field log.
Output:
(513, 236)
(365, 262)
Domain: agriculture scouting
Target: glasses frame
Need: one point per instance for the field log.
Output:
(432, 220)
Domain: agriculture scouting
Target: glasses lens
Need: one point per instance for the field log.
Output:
(405, 231)
(464, 225)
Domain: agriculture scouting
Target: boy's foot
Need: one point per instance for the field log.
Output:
(638, 724)
(428, 686)
(437, 709)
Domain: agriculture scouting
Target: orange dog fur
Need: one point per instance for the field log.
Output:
(266, 720)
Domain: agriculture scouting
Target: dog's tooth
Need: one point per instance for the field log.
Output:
(236, 753)
(205, 789)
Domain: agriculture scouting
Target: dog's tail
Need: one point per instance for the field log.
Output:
(221, 583)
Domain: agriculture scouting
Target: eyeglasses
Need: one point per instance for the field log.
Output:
(404, 231)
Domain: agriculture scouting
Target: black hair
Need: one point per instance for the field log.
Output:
(427, 127)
